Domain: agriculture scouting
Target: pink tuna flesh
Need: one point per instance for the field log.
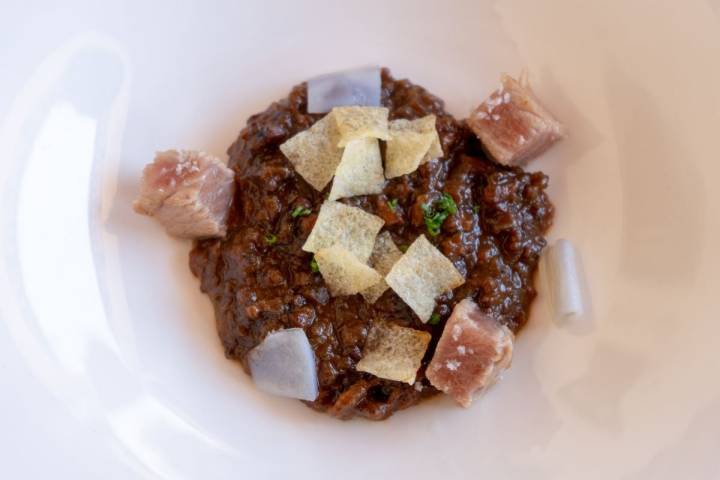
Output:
(188, 192)
(512, 124)
(473, 351)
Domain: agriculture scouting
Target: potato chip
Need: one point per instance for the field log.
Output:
(421, 275)
(394, 352)
(384, 256)
(350, 227)
(405, 152)
(426, 124)
(360, 122)
(411, 143)
(360, 171)
(314, 152)
(343, 273)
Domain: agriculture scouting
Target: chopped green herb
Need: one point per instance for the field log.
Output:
(403, 248)
(436, 214)
(270, 239)
(434, 319)
(476, 208)
(393, 203)
(314, 266)
(447, 203)
(300, 212)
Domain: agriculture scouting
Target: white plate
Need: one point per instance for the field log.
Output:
(110, 366)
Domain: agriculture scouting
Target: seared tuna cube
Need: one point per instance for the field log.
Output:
(473, 351)
(188, 192)
(512, 124)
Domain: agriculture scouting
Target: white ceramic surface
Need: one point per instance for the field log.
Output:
(110, 366)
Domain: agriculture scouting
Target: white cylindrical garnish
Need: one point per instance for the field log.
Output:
(565, 285)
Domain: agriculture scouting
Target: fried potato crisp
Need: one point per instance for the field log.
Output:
(343, 273)
(360, 171)
(384, 255)
(421, 275)
(314, 152)
(360, 122)
(394, 352)
(350, 227)
(411, 143)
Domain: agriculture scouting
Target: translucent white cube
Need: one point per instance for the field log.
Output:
(352, 87)
(284, 364)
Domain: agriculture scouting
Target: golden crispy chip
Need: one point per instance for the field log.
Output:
(350, 227)
(314, 152)
(360, 122)
(360, 171)
(411, 143)
(384, 256)
(343, 273)
(421, 275)
(405, 152)
(394, 352)
(426, 124)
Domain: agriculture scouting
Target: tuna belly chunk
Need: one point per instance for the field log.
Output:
(188, 192)
(512, 124)
(473, 351)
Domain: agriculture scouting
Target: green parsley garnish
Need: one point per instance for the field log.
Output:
(300, 212)
(270, 239)
(403, 248)
(314, 266)
(434, 319)
(476, 208)
(435, 214)
(392, 203)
